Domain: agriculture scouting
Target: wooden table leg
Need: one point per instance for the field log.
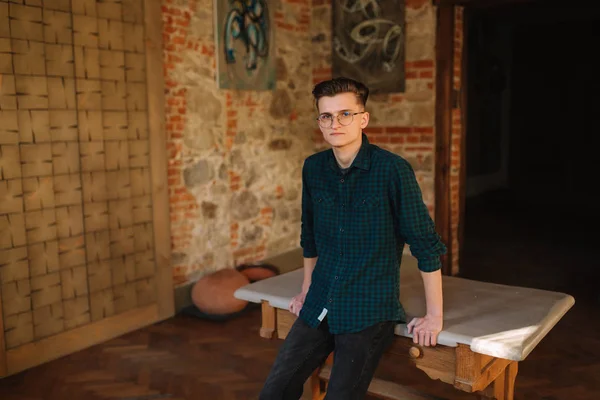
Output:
(318, 393)
(488, 377)
(315, 385)
(269, 320)
(503, 388)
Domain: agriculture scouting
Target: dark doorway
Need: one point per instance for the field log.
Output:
(532, 208)
(532, 215)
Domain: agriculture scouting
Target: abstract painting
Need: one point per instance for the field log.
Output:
(369, 43)
(245, 45)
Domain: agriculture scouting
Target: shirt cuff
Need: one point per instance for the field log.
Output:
(309, 248)
(429, 264)
(309, 253)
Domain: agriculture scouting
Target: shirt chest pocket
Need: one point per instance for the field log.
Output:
(365, 203)
(324, 212)
(366, 216)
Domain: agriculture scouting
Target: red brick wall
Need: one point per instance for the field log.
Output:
(184, 207)
(400, 122)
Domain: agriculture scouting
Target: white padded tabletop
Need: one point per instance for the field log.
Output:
(496, 320)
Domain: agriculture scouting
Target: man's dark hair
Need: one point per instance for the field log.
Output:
(341, 85)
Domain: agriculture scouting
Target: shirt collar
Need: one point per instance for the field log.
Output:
(362, 159)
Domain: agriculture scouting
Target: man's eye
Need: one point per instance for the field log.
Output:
(346, 114)
(325, 117)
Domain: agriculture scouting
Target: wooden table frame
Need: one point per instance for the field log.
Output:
(488, 377)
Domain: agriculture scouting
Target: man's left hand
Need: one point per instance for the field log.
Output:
(426, 330)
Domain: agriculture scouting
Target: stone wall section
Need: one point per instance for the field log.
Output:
(235, 157)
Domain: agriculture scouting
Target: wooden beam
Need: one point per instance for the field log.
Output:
(158, 158)
(443, 128)
(462, 177)
(383, 389)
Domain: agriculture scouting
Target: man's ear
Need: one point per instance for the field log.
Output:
(364, 121)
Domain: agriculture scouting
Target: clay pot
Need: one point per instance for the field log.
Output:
(213, 293)
(257, 272)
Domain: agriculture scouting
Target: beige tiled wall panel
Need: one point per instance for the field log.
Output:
(76, 230)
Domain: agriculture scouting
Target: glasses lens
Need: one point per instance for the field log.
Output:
(325, 121)
(345, 119)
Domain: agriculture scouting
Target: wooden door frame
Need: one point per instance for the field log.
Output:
(444, 54)
(161, 217)
(462, 99)
(448, 99)
(38, 352)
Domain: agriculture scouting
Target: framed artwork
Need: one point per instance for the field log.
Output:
(244, 45)
(369, 43)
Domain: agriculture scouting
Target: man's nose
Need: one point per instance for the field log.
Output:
(335, 123)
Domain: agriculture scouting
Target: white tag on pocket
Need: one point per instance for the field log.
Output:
(323, 314)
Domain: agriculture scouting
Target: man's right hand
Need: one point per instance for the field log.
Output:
(297, 303)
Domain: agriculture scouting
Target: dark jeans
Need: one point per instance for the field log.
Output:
(356, 357)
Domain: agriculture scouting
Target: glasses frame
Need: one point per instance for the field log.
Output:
(338, 119)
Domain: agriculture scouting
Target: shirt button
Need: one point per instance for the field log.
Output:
(330, 300)
(341, 229)
(336, 278)
(342, 180)
(341, 254)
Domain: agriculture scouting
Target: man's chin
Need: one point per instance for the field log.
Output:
(337, 141)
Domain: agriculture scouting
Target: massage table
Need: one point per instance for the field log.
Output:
(488, 329)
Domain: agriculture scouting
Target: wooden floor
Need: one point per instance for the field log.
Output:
(188, 358)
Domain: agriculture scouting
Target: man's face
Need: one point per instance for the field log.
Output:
(342, 107)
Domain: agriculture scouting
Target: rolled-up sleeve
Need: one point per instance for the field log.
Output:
(412, 217)
(307, 238)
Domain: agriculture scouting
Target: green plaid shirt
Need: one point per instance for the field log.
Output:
(357, 223)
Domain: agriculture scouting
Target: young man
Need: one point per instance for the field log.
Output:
(360, 206)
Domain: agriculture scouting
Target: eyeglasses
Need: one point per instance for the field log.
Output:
(345, 118)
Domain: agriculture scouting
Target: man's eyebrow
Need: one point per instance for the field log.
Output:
(340, 111)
